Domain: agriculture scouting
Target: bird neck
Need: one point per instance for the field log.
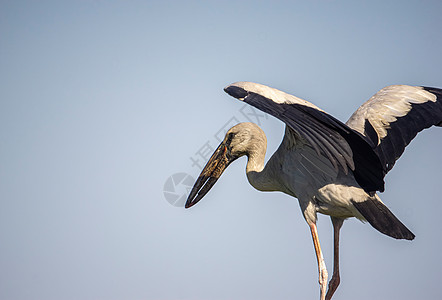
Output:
(258, 175)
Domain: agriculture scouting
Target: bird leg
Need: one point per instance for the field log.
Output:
(323, 275)
(334, 282)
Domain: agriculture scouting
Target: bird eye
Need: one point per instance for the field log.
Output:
(229, 138)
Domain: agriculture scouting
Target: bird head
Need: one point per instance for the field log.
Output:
(242, 139)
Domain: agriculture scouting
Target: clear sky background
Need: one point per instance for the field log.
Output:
(101, 102)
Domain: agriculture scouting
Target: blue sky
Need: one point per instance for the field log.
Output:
(101, 102)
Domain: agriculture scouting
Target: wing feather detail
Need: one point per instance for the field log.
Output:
(393, 117)
(345, 148)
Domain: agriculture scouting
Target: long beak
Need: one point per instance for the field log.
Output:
(216, 165)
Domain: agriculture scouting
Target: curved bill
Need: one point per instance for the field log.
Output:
(216, 165)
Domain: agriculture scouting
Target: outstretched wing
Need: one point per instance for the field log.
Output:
(393, 117)
(344, 147)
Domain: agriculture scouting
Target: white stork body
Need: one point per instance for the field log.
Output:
(297, 170)
(332, 168)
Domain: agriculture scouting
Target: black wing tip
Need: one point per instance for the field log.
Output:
(435, 91)
(431, 89)
(382, 219)
(236, 92)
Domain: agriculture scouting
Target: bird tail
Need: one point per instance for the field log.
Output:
(381, 218)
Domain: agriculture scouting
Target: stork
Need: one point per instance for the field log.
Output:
(332, 168)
